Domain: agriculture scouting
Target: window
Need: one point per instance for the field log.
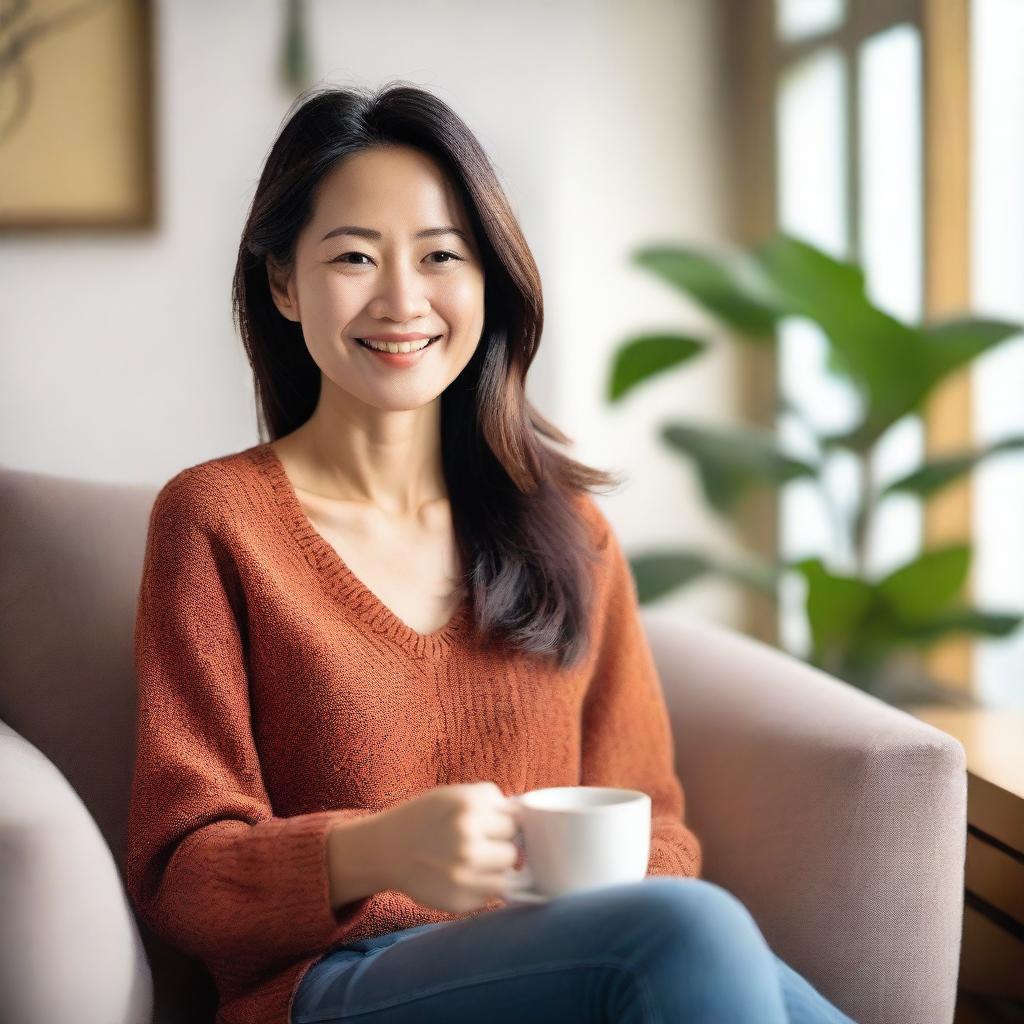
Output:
(849, 180)
(891, 132)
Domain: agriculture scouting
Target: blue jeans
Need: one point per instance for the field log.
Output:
(664, 949)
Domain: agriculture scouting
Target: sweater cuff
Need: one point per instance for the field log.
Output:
(303, 880)
(669, 857)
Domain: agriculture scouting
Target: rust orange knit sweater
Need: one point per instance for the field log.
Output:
(277, 696)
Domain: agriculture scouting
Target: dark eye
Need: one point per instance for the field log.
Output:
(342, 257)
(444, 252)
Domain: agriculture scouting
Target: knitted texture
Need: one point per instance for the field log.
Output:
(278, 696)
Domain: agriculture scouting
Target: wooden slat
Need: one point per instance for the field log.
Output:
(990, 958)
(946, 48)
(747, 33)
(995, 876)
(995, 812)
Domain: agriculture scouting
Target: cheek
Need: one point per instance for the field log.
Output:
(320, 305)
(343, 302)
(465, 295)
(324, 322)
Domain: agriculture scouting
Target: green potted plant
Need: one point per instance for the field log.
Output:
(865, 630)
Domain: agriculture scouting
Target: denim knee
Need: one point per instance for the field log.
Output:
(681, 909)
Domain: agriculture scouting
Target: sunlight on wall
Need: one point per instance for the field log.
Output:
(891, 250)
(997, 39)
(798, 19)
(811, 190)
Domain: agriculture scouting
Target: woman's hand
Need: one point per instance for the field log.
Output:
(450, 848)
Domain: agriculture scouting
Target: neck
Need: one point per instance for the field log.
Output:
(388, 459)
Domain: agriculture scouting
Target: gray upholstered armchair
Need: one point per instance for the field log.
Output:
(837, 819)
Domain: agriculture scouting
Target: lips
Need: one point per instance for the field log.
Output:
(385, 352)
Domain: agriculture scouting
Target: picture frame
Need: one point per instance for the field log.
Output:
(77, 146)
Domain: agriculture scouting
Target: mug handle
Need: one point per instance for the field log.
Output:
(517, 879)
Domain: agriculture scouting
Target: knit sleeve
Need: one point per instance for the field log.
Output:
(208, 864)
(627, 736)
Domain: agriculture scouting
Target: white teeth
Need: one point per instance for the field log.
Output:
(405, 346)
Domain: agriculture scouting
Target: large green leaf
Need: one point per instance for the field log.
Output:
(955, 343)
(895, 366)
(946, 347)
(659, 572)
(729, 462)
(727, 286)
(836, 607)
(886, 359)
(834, 363)
(855, 624)
(964, 620)
(881, 636)
(935, 475)
(645, 356)
(806, 280)
(927, 584)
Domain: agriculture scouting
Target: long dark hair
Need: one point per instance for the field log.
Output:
(515, 501)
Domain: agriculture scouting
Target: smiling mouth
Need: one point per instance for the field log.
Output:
(397, 349)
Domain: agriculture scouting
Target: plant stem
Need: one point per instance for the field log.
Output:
(832, 513)
(865, 513)
(832, 510)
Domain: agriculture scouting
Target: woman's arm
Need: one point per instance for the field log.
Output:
(208, 864)
(627, 735)
(359, 859)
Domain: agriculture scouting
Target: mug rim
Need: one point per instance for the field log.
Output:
(629, 796)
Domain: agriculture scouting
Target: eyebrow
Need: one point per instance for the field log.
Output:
(351, 229)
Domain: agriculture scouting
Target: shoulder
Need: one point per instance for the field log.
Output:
(198, 495)
(611, 576)
(598, 526)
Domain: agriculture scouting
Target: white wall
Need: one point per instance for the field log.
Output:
(120, 361)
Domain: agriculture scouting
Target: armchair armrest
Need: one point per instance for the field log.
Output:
(839, 820)
(69, 946)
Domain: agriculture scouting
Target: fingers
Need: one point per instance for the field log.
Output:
(495, 856)
(500, 825)
(492, 883)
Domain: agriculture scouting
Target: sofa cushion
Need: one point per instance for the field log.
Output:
(69, 945)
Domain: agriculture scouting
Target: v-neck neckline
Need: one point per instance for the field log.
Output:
(341, 580)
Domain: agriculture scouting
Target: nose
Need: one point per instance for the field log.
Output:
(401, 295)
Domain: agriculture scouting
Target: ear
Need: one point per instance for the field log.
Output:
(282, 291)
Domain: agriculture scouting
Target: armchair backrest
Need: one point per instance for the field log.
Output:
(71, 555)
(69, 577)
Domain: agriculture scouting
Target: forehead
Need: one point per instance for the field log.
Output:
(390, 189)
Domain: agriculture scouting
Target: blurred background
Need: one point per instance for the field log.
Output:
(888, 134)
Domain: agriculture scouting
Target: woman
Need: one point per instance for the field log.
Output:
(357, 640)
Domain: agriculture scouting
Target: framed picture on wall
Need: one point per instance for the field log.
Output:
(76, 115)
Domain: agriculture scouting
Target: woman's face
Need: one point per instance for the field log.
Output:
(385, 279)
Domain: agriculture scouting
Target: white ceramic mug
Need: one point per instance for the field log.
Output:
(579, 837)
